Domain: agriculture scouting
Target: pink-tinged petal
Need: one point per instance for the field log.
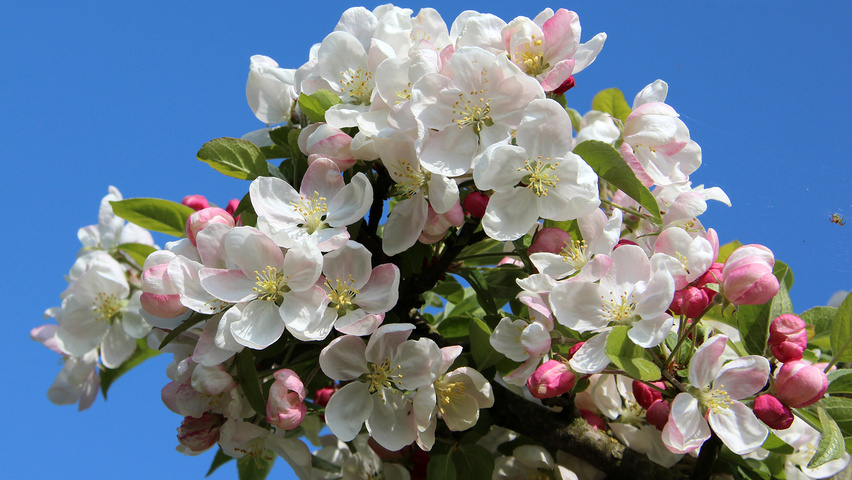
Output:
(432, 98)
(557, 75)
(307, 315)
(343, 358)
(392, 423)
(302, 265)
(206, 351)
(184, 273)
(591, 357)
(539, 308)
(329, 239)
(349, 264)
(658, 295)
(686, 429)
(46, 335)
(743, 377)
(348, 409)
(232, 286)
(404, 224)
(511, 214)
(738, 428)
(630, 265)
(260, 325)
(587, 52)
(536, 340)
(351, 202)
(381, 292)
(90, 388)
(357, 323)
(211, 245)
(707, 361)
(520, 375)
(561, 34)
(448, 356)
(635, 165)
(594, 270)
(252, 251)
(506, 339)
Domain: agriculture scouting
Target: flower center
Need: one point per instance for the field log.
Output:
(716, 399)
(618, 309)
(313, 210)
(358, 84)
(255, 451)
(106, 308)
(381, 377)
(472, 111)
(447, 393)
(341, 294)
(540, 176)
(270, 284)
(575, 254)
(408, 180)
(683, 261)
(531, 59)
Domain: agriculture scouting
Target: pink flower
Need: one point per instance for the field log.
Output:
(160, 296)
(286, 406)
(200, 219)
(322, 140)
(437, 224)
(550, 240)
(772, 412)
(747, 276)
(799, 384)
(551, 379)
(195, 202)
(787, 338)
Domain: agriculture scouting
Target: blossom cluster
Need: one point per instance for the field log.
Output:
(412, 154)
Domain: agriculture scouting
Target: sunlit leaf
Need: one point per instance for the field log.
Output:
(155, 214)
(315, 105)
(234, 157)
(630, 357)
(612, 101)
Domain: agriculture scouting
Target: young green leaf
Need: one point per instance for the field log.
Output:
(612, 101)
(575, 117)
(607, 162)
(137, 251)
(480, 346)
(234, 157)
(841, 331)
(776, 445)
(109, 375)
(315, 104)
(820, 318)
(247, 376)
(781, 303)
(252, 467)
(219, 460)
(441, 467)
(753, 322)
(831, 444)
(630, 357)
(840, 381)
(155, 214)
(727, 249)
(783, 273)
(473, 462)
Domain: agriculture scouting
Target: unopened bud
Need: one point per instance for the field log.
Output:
(475, 203)
(551, 379)
(286, 407)
(550, 240)
(199, 434)
(772, 412)
(200, 219)
(689, 301)
(195, 202)
(645, 394)
(787, 338)
(658, 414)
(747, 276)
(798, 384)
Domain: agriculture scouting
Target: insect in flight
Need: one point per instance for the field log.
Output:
(838, 219)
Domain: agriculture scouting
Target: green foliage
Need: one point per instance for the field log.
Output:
(628, 356)
(780, 304)
(110, 375)
(454, 327)
(612, 101)
(441, 467)
(727, 249)
(753, 321)
(831, 444)
(480, 347)
(450, 289)
(219, 460)
(841, 331)
(479, 284)
(249, 381)
(575, 117)
(315, 105)
(840, 381)
(254, 468)
(138, 252)
(607, 162)
(234, 157)
(783, 273)
(776, 445)
(819, 319)
(154, 214)
(473, 462)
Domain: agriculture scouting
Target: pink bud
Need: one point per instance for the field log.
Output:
(232, 206)
(286, 407)
(646, 395)
(799, 384)
(551, 379)
(787, 338)
(568, 84)
(550, 240)
(323, 395)
(623, 242)
(321, 140)
(574, 349)
(475, 204)
(658, 414)
(195, 202)
(437, 224)
(593, 419)
(199, 434)
(712, 275)
(200, 219)
(689, 301)
(160, 297)
(772, 412)
(747, 276)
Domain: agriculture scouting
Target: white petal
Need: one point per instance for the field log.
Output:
(738, 428)
(348, 409)
(260, 326)
(686, 429)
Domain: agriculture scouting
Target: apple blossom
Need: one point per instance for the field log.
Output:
(269, 90)
(747, 277)
(285, 408)
(772, 412)
(787, 338)
(799, 384)
(199, 220)
(551, 379)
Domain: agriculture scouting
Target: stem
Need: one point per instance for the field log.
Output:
(691, 329)
(670, 378)
(625, 209)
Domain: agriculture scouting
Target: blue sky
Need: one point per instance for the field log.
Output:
(112, 93)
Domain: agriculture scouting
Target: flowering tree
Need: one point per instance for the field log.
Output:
(460, 276)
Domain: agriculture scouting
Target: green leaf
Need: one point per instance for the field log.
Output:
(776, 445)
(840, 381)
(155, 214)
(820, 319)
(441, 467)
(454, 327)
(753, 321)
(480, 346)
(255, 467)
(607, 162)
(612, 101)
(501, 283)
(315, 105)
(781, 303)
(137, 251)
(576, 118)
(727, 249)
(450, 289)
(491, 251)
(841, 331)
(109, 375)
(469, 306)
(234, 157)
(248, 379)
(630, 357)
(473, 462)
(783, 273)
(219, 460)
(831, 444)
(271, 152)
(184, 326)
(281, 136)
(477, 281)
(570, 226)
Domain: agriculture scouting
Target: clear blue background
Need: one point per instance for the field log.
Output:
(100, 93)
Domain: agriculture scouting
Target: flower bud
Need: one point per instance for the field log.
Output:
(323, 140)
(568, 84)
(573, 350)
(658, 414)
(747, 276)
(798, 384)
(195, 202)
(199, 434)
(689, 301)
(772, 412)
(323, 395)
(475, 204)
(286, 407)
(551, 379)
(549, 240)
(787, 338)
(437, 224)
(712, 275)
(200, 219)
(160, 297)
(232, 206)
(593, 419)
(645, 394)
